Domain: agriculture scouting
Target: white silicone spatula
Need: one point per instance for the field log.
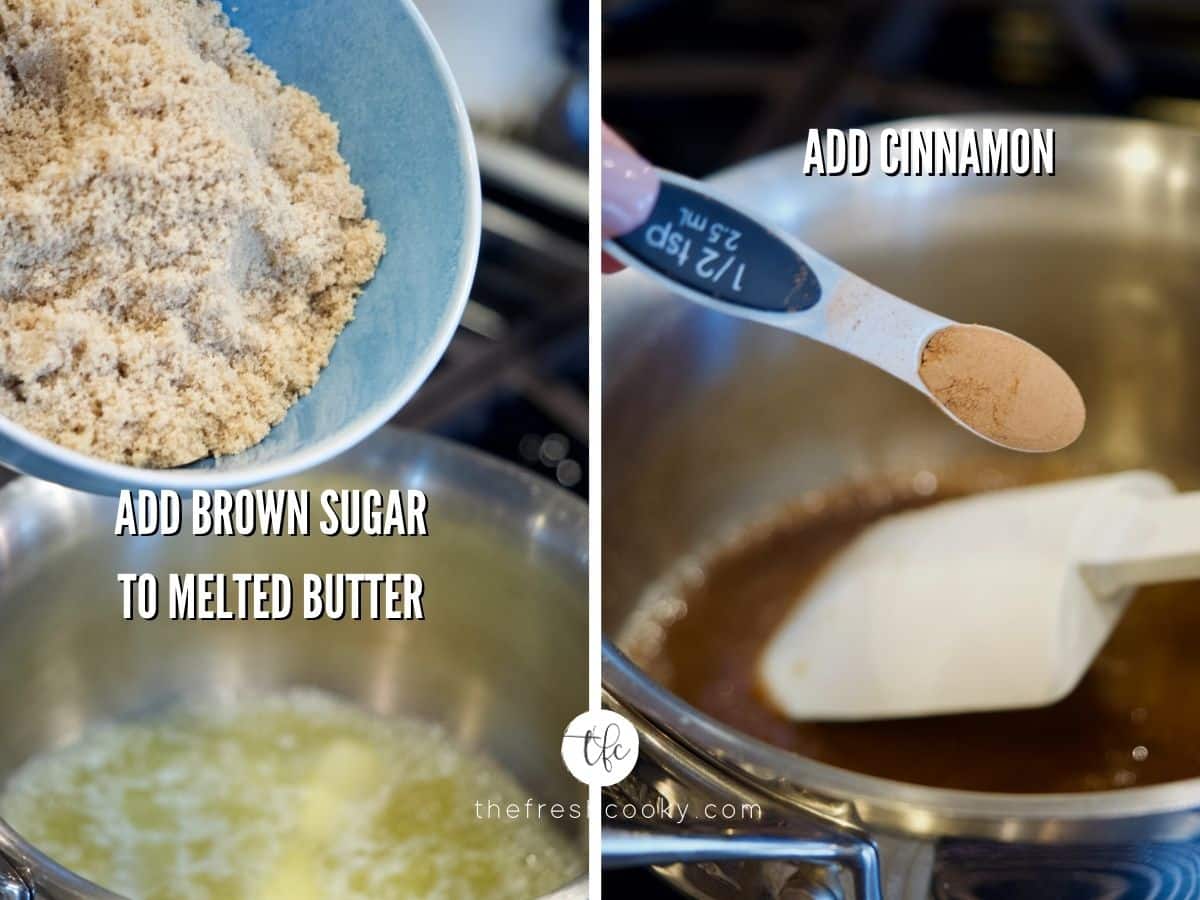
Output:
(995, 601)
(706, 250)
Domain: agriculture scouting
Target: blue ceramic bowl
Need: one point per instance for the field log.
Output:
(376, 69)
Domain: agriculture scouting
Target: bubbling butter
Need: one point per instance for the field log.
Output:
(295, 796)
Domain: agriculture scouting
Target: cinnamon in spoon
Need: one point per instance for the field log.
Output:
(1002, 388)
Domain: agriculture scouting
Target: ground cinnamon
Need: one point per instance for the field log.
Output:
(1003, 388)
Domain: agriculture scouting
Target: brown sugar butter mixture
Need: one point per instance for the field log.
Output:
(1003, 388)
(1131, 720)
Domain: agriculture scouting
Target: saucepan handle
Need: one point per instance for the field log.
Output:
(28, 874)
(12, 885)
(628, 848)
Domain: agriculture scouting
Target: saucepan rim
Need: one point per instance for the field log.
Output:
(920, 811)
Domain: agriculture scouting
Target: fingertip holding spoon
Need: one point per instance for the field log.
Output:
(994, 384)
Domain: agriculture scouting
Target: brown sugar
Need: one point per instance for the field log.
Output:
(1003, 388)
(181, 241)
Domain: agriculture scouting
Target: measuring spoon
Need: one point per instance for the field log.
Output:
(994, 384)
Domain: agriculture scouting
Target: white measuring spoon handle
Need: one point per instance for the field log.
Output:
(708, 251)
(1160, 542)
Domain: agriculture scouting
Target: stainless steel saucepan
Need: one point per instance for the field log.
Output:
(500, 660)
(1100, 266)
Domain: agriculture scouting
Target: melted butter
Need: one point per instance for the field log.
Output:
(293, 797)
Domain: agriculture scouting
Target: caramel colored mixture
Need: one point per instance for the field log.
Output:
(180, 241)
(1003, 388)
(1131, 721)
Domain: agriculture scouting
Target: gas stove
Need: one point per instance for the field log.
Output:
(700, 84)
(514, 380)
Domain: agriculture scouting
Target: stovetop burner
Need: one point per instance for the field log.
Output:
(514, 380)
